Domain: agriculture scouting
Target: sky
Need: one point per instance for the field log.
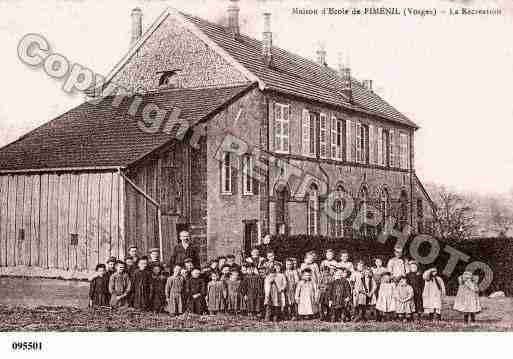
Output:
(452, 75)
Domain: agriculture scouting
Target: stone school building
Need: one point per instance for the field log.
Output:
(91, 182)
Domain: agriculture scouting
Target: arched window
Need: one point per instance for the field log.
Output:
(384, 207)
(363, 198)
(403, 209)
(282, 198)
(336, 222)
(313, 210)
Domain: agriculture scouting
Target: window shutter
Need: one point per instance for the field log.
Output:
(323, 150)
(397, 148)
(350, 141)
(306, 133)
(358, 142)
(272, 145)
(391, 139)
(334, 138)
(380, 159)
(236, 165)
(408, 150)
(372, 157)
(278, 127)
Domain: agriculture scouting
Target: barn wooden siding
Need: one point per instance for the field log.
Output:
(67, 221)
(174, 177)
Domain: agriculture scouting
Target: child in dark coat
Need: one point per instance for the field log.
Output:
(324, 283)
(157, 292)
(233, 285)
(99, 288)
(414, 278)
(196, 291)
(142, 285)
(252, 289)
(339, 297)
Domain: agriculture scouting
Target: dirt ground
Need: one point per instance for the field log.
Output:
(55, 305)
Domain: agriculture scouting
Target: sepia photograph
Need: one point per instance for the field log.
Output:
(255, 166)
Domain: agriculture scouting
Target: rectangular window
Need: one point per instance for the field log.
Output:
(281, 127)
(306, 133)
(336, 138)
(385, 148)
(403, 150)
(362, 141)
(379, 145)
(392, 150)
(247, 175)
(226, 173)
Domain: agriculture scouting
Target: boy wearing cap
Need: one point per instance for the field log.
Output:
(154, 256)
(142, 285)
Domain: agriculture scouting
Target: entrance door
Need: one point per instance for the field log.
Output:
(250, 236)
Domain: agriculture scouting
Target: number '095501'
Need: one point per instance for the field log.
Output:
(27, 346)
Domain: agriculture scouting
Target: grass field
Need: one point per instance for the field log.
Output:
(48, 305)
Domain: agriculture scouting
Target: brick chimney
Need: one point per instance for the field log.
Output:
(233, 17)
(267, 40)
(136, 16)
(345, 74)
(321, 55)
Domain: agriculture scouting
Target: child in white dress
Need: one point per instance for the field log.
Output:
(467, 297)
(385, 305)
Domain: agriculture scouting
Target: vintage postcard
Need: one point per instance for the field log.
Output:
(244, 165)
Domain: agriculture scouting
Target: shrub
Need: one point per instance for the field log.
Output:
(496, 252)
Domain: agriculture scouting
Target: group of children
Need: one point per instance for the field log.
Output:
(334, 290)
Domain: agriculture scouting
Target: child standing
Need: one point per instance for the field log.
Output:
(142, 285)
(158, 289)
(385, 304)
(329, 261)
(292, 276)
(364, 291)
(345, 263)
(309, 263)
(274, 288)
(467, 297)
(196, 292)
(416, 281)
(324, 283)
(339, 295)
(252, 288)
(378, 270)
(404, 304)
(99, 288)
(434, 291)
(234, 293)
(307, 295)
(119, 287)
(216, 294)
(175, 285)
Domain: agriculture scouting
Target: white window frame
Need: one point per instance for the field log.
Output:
(305, 128)
(313, 118)
(226, 173)
(247, 175)
(361, 150)
(392, 151)
(336, 138)
(281, 125)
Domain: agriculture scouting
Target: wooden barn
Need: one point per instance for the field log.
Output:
(82, 188)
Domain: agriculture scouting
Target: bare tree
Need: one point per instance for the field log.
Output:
(454, 212)
(501, 216)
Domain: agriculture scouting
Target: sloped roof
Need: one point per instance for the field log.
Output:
(295, 75)
(100, 135)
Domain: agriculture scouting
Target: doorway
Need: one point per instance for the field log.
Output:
(250, 236)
